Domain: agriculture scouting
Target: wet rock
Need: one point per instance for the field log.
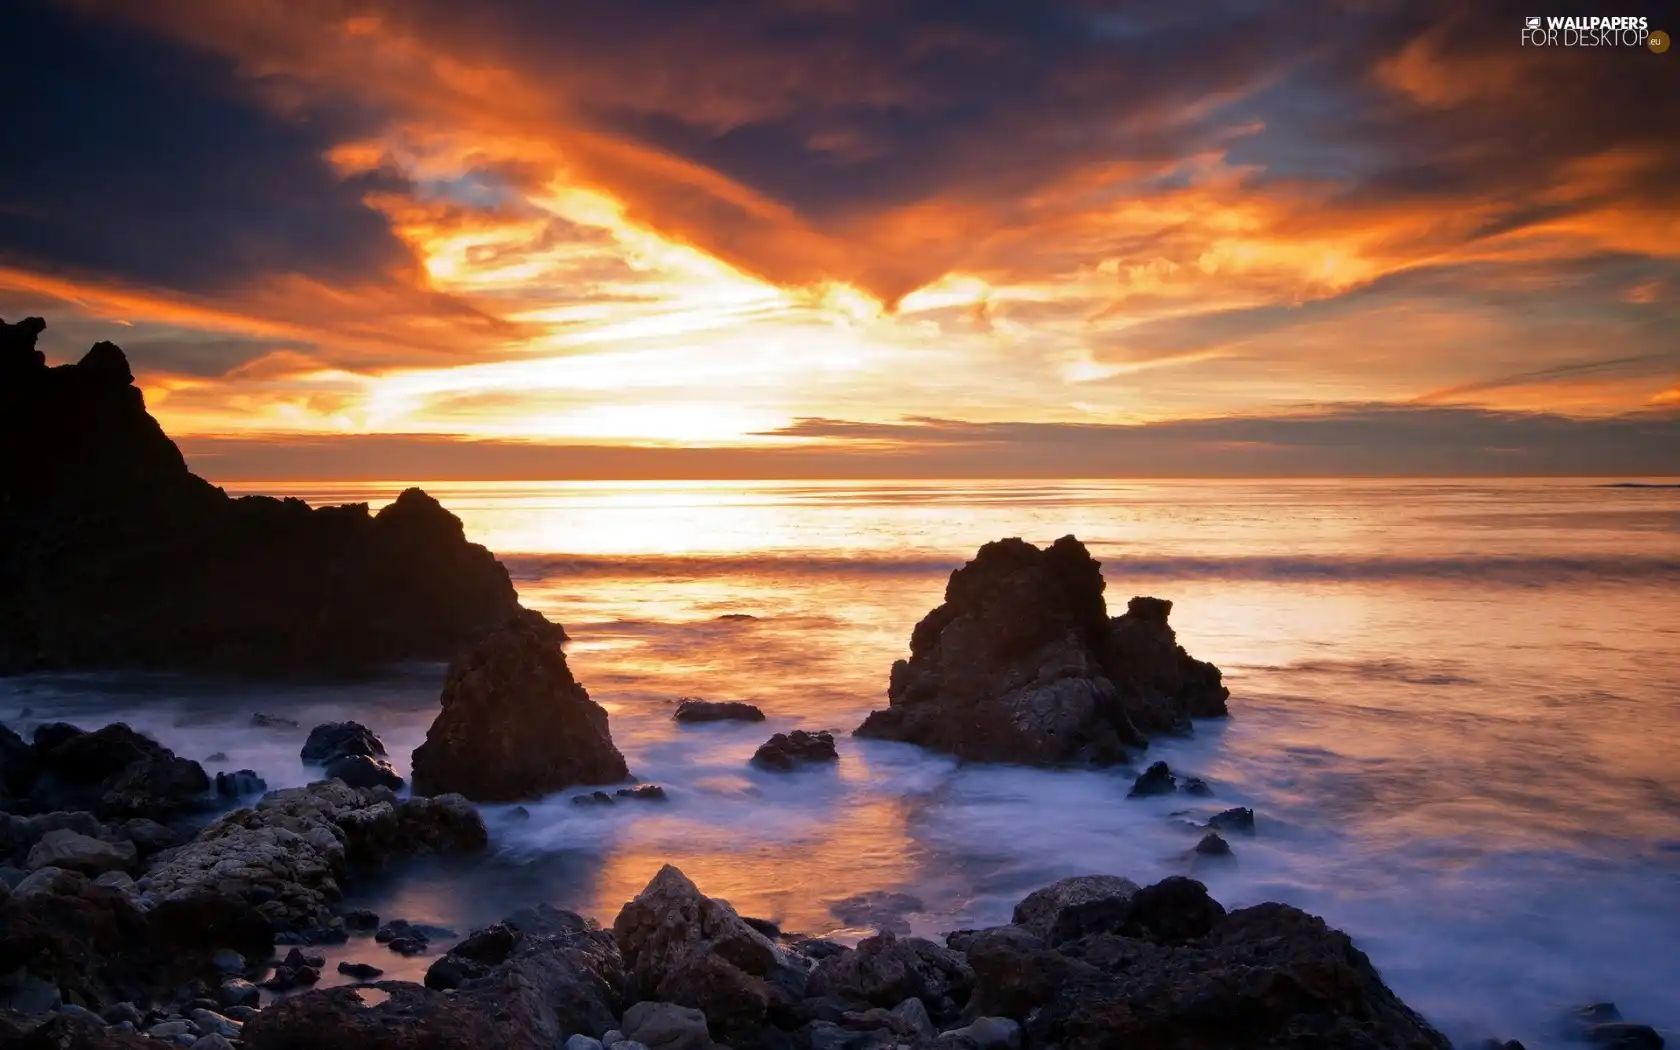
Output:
(694, 710)
(583, 1042)
(114, 773)
(643, 793)
(360, 771)
(985, 1033)
(1156, 780)
(91, 856)
(228, 961)
(682, 947)
(1269, 976)
(360, 971)
(361, 919)
(1212, 845)
(515, 724)
(764, 926)
(1073, 907)
(1022, 664)
(1240, 819)
(338, 739)
(915, 1017)
(452, 971)
(122, 1012)
(262, 721)
(213, 1041)
(1624, 1035)
(211, 1022)
(884, 910)
(240, 783)
(667, 1026)
(409, 945)
(149, 836)
(236, 991)
(786, 751)
(594, 798)
(297, 959)
(885, 970)
(1197, 786)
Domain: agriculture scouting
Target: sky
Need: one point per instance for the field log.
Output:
(854, 238)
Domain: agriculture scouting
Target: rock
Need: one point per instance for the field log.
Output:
(212, 1022)
(1240, 819)
(360, 971)
(452, 971)
(337, 739)
(1269, 976)
(682, 947)
(694, 710)
(287, 856)
(986, 1033)
(171, 1029)
(1156, 780)
(667, 1026)
(408, 945)
(122, 1012)
(217, 756)
(594, 798)
(67, 849)
(643, 792)
(149, 836)
(239, 784)
(228, 961)
(885, 970)
(764, 926)
(515, 724)
(114, 773)
(1623, 1035)
(361, 919)
(50, 881)
(213, 1041)
(262, 721)
(119, 557)
(786, 751)
(612, 1038)
(297, 959)
(119, 881)
(29, 995)
(1197, 786)
(583, 1042)
(1022, 664)
(882, 909)
(360, 771)
(1212, 845)
(236, 991)
(915, 1015)
(1072, 907)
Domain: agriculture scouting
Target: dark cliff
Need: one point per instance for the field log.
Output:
(113, 554)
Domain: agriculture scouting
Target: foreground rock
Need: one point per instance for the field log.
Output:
(286, 857)
(692, 710)
(114, 773)
(1022, 664)
(113, 555)
(515, 724)
(530, 981)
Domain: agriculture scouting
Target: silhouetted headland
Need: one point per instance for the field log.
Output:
(114, 555)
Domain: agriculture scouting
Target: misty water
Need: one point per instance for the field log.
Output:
(1455, 711)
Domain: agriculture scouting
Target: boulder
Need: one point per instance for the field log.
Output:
(118, 556)
(115, 773)
(1072, 907)
(337, 739)
(885, 970)
(1239, 818)
(667, 1026)
(515, 724)
(1158, 779)
(1212, 845)
(691, 709)
(682, 947)
(786, 751)
(240, 784)
(91, 856)
(1177, 971)
(1022, 664)
(360, 771)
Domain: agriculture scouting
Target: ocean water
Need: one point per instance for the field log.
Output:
(1455, 710)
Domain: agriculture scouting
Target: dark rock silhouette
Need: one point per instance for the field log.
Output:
(334, 740)
(785, 751)
(1022, 664)
(515, 724)
(693, 709)
(114, 773)
(113, 554)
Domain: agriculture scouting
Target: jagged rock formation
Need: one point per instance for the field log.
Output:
(515, 724)
(1022, 664)
(114, 773)
(113, 554)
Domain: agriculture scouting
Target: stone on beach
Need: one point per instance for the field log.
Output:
(1021, 663)
(515, 724)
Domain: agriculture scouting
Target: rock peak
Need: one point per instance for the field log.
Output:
(17, 346)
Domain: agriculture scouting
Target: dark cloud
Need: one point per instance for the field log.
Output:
(132, 157)
(1373, 440)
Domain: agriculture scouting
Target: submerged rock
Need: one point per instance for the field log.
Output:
(333, 740)
(515, 724)
(1212, 845)
(696, 710)
(118, 556)
(360, 771)
(1022, 664)
(787, 751)
(1158, 779)
(1239, 818)
(240, 783)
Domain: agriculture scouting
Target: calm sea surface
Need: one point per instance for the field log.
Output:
(1455, 710)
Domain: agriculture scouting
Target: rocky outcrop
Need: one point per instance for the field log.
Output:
(680, 946)
(515, 724)
(287, 856)
(1022, 664)
(885, 970)
(1171, 968)
(114, 773)
(538, 977)
(113, 554)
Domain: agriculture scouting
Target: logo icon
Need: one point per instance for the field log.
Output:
(1533, 23)
(1657, 41)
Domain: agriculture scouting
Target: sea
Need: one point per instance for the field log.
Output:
(1455, 711)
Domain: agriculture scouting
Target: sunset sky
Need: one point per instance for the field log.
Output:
(675, 238)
